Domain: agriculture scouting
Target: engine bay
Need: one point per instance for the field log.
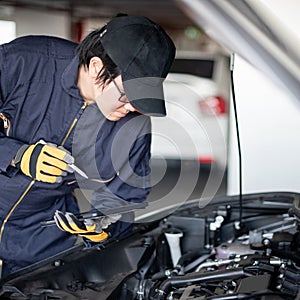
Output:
(193, 253)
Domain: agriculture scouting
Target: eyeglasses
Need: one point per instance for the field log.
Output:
(122, 97)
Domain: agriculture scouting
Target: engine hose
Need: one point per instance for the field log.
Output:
(165, 287)
(186, 258)
(173, 272)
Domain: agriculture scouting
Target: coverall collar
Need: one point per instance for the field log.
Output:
(69, 79)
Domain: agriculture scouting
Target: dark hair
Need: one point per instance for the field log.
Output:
(91, 46)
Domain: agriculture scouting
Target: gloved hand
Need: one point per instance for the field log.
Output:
(44, 161)
(90, 229)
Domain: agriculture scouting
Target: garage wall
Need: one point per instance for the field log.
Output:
(40, 22)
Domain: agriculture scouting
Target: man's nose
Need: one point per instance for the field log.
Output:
(129, 107)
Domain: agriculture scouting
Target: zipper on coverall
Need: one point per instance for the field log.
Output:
(7, 123)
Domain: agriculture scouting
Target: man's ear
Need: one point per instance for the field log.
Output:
(95, 66)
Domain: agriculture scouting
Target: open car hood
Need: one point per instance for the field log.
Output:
(244, 28)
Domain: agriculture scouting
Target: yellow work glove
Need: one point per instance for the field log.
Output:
(44, 161)
(88, 229)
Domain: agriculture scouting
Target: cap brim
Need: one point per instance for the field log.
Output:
(145, 94)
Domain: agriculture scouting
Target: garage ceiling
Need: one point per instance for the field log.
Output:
(164, 12)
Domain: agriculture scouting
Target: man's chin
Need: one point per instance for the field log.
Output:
(115, 116)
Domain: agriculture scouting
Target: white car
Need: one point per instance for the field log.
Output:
(195, 128)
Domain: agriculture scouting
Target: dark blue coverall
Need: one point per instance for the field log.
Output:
(39, 99)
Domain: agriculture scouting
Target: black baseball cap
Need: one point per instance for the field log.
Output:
(144, 53)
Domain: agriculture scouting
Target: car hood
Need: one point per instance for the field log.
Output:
(249, 29)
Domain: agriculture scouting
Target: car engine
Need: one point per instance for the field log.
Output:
(204, 254)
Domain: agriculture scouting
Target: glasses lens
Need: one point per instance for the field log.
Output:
(123, 98)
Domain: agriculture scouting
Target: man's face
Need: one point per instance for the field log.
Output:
(113, 102)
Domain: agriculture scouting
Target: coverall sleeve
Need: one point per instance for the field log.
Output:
(132, 183)
(8, 146)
